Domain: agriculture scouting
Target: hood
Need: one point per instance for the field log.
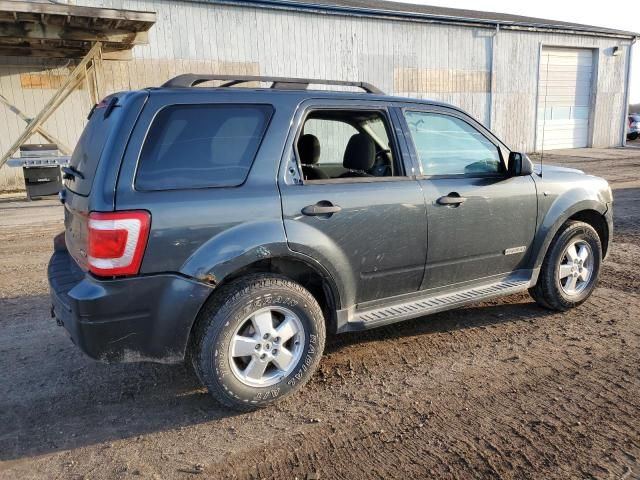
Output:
(554, 169)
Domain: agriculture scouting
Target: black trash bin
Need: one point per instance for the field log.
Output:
(42, 181)
(41, 169)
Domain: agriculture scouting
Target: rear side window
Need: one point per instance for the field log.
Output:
(333, 136)
(197, 146)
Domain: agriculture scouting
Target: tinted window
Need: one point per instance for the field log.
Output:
(191, 146)
(447, 145)
(86, 155)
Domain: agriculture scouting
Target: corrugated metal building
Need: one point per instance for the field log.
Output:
(531, 81)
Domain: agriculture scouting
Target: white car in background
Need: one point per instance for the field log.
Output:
(633, 132)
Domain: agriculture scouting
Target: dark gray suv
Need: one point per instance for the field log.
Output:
(236, 227)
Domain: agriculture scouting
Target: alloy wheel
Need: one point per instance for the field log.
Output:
(266, 346)
(576, 267)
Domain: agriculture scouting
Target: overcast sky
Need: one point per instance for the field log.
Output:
(623, 15)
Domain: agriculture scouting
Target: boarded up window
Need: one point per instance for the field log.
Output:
(44, 80)
(440, 81)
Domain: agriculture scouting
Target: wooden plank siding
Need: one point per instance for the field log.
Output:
(424, 60)
(65, 124)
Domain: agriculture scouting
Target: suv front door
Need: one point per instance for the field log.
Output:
(481, 222)
(374, 240)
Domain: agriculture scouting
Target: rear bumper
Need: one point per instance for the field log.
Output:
(145, 318)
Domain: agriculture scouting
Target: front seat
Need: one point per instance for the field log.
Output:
(359, 156)
(309, 151)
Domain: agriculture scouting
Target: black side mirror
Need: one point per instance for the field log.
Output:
(519, 165)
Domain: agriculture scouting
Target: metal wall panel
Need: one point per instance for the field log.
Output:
(517, 60)
(424, 60)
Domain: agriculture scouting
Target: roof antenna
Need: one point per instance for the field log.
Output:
(544, 110)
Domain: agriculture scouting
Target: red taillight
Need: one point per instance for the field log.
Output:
(117, 241)
(106, 244)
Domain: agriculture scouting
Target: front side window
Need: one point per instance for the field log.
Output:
(447, 145)
(196, 146)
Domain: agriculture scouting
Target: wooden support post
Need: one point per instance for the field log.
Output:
(97, 72)
(76, 76)
(41, 130)
(93, 79)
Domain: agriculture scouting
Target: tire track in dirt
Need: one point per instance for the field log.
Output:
(566, 401)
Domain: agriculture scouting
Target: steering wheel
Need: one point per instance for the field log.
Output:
(381, 169)
(382, 151)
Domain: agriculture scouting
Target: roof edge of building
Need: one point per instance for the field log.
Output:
(511, 22)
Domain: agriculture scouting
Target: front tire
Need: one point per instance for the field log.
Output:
(257, 341)
(570, 269)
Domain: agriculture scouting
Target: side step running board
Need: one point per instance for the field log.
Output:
(418, 307)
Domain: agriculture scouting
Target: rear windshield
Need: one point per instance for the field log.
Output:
(86, 156)
(197, 146)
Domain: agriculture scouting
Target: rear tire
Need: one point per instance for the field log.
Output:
(570, 269)
(257, 341)
(539, 298)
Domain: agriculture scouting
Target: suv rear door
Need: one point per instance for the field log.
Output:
(490, 230)
(375, 244)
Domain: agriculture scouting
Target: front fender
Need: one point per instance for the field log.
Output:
(562, 208)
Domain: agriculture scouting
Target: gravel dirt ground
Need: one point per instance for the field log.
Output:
(502, 389)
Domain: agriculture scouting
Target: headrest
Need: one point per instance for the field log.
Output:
(360, 153)
(309, 149)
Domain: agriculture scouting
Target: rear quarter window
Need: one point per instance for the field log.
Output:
(200, 146)
(86, 156)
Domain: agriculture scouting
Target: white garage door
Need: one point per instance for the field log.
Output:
(564, 98)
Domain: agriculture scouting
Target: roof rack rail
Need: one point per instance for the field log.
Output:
(192, 79)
